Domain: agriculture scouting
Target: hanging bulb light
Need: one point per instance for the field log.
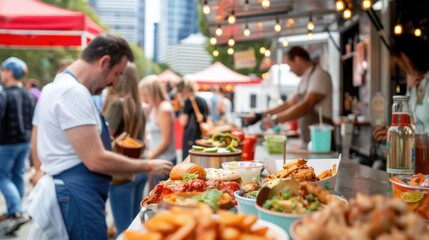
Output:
(265, 4)
(398, 88)
(219, 30)
(215, 53)
(230, 51)
(246, 31)
(398, 29)
(246, 5)
(347, 13)
(262, 50)
(417, 32)
(231, 18)
(310, 24)
(366, 4)
(231, 42)
(277, 27)
(339, 5)
(310, 35)
(285, 43)
(206, 8)
(213, 40)
(267, 53)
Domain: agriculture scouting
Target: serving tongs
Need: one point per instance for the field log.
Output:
(274, 187)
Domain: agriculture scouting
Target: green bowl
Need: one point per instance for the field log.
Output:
(245, 205)
(283, 220)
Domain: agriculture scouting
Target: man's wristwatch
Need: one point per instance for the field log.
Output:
(275, 119)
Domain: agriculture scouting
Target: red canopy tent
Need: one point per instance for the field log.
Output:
(169, 76)
(219, 74)
(31, 23)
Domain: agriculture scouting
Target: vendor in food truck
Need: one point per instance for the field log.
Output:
(412, 55)
(314, 92)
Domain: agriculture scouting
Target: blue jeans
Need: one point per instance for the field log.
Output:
(12, 167)
(125, 201)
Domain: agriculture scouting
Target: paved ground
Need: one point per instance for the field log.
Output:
(22, 233)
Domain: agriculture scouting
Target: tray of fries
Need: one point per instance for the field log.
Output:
(321, 171)
(188, 224)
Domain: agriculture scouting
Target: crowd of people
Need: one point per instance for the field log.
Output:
(65, 131)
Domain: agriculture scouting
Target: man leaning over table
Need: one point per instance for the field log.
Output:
(314, 91)
(66, 136)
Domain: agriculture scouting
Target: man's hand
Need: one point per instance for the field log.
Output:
(252, 119)
(160, 167)
(36, 176)
(380, 134)
(268, 122)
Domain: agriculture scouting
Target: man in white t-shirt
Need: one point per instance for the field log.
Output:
(314, 92)
(66, 139)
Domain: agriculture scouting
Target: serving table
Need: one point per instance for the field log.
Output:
(352, 177)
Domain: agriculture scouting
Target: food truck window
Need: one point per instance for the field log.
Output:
(252, 100)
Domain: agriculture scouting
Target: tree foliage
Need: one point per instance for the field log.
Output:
(224, 57)
(43, 63)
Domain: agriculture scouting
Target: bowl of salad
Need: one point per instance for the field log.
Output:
(246, 198)
(284, 201)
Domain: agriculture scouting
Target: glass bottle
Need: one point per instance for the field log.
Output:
(422, 153)
(400, 139)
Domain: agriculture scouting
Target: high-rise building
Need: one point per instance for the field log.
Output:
(189, 56)
(125, 17)
(178, 19)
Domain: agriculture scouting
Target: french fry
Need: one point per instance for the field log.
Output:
(288, 171)
(299, 161)
(160, 226)
(252, 237)
(229, 219)
(135, 235)
(334, 169)
(229, 233)
(248, 221)
(184, 231)
(260, 231)
(323, 174)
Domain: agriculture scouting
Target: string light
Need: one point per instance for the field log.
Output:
(285, 43)
(417, 32)
(262, 50)
(277, 27)
(366, 4)
(230, 51)
(231, 18)
(310, 35)
(206, 8)
(213, 40)
(246, 31)
(219, 30)
(266, 4)
(215, 53)
(267, 53)
(347, 13)
(339, 5)
(231, 42)
(310, 24)
(398, 29)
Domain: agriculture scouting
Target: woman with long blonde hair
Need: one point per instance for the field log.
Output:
(124, 113)
(160, 120)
